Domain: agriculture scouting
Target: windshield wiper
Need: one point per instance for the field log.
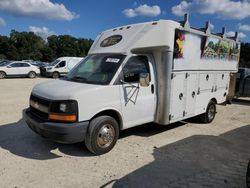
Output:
(78, 79)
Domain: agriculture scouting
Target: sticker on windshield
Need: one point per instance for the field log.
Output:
(112, 60)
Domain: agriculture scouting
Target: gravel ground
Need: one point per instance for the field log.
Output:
(185, 154)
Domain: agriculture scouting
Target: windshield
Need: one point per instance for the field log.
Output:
(96, 69)
(54, 62)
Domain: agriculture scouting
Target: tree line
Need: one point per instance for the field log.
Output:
(27, 45)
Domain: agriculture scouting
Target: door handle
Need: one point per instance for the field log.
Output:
(152, 89)
(193, 94)
(181, 96)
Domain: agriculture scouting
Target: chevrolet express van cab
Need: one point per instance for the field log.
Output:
(60, 67)
(160, 72)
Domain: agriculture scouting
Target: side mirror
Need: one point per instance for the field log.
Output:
(8, 66)
(144, 79)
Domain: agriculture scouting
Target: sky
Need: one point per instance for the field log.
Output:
(86, 19)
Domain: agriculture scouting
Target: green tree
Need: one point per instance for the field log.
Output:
(27, 45)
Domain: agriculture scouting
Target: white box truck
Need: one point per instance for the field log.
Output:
(160, 72)
(60, 67)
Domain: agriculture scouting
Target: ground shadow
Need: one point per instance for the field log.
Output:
(150, 129)
(197, 161)
(241, 102)
(20, 140)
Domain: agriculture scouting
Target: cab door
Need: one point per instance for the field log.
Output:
(61, 68)
(15, 69)
(138, 102)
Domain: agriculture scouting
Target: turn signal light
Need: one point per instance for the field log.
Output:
(57, 117)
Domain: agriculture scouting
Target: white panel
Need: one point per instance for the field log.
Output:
(177, 103)
(191, 93)
(222, 80)
(206, 82)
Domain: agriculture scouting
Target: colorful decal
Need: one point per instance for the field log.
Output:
(179, 44)
(235, 51)
(191, 46)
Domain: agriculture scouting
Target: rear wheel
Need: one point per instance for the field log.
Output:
(55, 75)
(102, 135)
(210, 113)
(32, 74)
(2, 74)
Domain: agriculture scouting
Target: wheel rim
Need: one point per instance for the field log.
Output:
(32, 75)
(105, 136)
(211, 112)
(55, 75)
(1, 75)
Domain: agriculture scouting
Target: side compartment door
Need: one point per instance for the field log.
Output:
(177, 108)
(222, 80)
(138, 103)
(205, 89)
(191, 93)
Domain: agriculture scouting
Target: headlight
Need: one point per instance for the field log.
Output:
(63, 111)
(49, 68)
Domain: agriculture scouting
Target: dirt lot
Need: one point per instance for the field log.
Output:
(181, 155)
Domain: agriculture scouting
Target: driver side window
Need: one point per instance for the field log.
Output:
(61, 64)
(134, 67)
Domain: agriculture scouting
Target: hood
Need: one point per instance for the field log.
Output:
(62, 89)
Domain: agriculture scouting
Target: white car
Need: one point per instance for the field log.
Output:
(18, 69)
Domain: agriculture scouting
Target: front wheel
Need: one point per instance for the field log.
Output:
(2, 75)
(32, 74)
(210, 113)
(55, 75)
(102, 135)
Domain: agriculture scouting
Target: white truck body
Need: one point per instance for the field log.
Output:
(60, 66)
(188, 68)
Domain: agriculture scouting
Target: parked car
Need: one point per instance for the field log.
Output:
(18, 69)
(39, 64)
(4, 62)
(60, 67)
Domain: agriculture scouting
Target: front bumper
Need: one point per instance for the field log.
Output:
(45, 73)
(59, 132)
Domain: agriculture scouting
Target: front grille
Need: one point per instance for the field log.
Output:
(36, 112)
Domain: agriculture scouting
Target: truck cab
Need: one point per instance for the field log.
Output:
(133, 75)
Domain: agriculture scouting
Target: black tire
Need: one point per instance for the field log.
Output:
(248, 175)
(210, 113)
(32, 74)
(55, 75)
(102, 135)
(2, 74)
